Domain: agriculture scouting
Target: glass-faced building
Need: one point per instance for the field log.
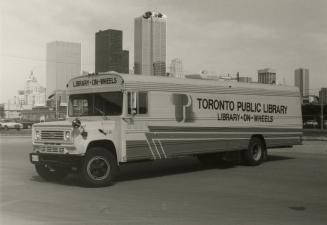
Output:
(63, 63)
(301, 80)
(267, 76)
(150, 44)
(176, 68)
(109, 53)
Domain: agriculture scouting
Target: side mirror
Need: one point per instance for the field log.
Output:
(76, 123)
(133, 103)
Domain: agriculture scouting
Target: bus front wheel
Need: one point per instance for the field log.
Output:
(99, 167)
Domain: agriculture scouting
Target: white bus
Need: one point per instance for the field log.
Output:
(115, 118)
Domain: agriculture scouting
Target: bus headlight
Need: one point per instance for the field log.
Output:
(68, 136)
(37, 135)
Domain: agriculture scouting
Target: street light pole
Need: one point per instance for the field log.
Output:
(322, 111)
(56, 98)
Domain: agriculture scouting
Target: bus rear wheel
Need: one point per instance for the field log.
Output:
(99, 167)
(256, 152)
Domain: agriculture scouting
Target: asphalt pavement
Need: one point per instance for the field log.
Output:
(290, 188)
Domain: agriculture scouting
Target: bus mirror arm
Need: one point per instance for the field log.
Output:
(129, 119)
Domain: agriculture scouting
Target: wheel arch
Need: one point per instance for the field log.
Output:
(103, 143)
(261, 137)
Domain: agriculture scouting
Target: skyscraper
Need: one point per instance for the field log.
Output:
(176, 68)
(125, 62)
(109, 53)
(301, 80)
(150, 44)
(267, 76)
(63, 63)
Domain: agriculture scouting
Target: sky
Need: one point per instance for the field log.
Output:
(220, 36)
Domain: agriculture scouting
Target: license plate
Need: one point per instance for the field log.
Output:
(35, 158)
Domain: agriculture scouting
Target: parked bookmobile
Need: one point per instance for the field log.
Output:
(115, 119)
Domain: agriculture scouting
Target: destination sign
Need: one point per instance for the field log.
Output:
(95, 81)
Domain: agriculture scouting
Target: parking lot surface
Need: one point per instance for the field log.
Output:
(290, 188)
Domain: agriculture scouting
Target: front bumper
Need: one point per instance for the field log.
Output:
(59, 160)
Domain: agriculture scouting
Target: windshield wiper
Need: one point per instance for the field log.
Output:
(103, 114)
(100, 111)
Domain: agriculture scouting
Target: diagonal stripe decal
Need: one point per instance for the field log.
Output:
(152, 145)
(162, 149)
(155, 146)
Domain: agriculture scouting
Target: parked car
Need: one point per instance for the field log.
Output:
(8, 124)
(310, 124)
(27, 124)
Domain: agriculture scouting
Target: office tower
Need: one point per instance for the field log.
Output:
(323, 96)
(63, 62)
(176, 68)
(109, 53)
(125, 62)
(301, 80)
(150, 44)
(267, 76)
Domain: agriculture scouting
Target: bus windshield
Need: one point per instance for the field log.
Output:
(96, 104)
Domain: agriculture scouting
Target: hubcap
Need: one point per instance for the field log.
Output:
(256, 152)
(98, 168)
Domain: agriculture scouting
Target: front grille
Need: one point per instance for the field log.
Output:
(51, 149)
(54, 135)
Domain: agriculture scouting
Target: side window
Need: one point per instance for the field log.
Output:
(141, 102)
(129, 103)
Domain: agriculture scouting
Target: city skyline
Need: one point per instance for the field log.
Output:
(225, 38)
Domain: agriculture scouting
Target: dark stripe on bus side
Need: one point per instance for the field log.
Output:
(220, 129)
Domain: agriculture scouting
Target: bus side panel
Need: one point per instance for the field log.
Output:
(282, 141)
(138, 150)
(194, 123)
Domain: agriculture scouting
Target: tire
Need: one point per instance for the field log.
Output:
(48, 174)
(256, 152)
(99, 167)
(6, 127)
(210, 159)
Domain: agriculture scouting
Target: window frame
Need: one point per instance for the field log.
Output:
(92, 96)
(128, 111)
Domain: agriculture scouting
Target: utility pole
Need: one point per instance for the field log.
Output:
(322, 111)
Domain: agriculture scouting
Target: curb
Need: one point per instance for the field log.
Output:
(15, 136)
(314, 138)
